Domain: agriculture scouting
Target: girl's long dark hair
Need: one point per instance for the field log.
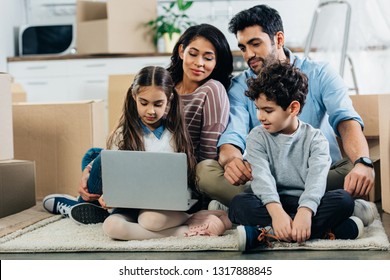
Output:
(224, 66)
(128, 135)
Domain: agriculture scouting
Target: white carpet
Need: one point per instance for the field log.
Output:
(62, 235)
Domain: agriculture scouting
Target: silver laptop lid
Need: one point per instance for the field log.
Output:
(145, 180)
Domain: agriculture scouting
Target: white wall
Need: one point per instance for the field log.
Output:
(11, 15)
(219, 13)
(372, 67)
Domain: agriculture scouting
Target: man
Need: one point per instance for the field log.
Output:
(259, 32)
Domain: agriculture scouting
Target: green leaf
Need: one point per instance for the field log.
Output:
(171, 21)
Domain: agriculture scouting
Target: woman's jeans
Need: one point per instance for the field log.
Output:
(94, 182)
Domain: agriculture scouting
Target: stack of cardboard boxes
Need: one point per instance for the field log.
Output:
(56, 136)
(374, 109)
(114, 26)
(17, 177)
(41, 146)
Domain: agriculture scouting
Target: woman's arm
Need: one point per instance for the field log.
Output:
(214, 120)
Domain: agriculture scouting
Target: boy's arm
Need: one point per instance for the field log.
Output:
(318, 166)
(264, 185)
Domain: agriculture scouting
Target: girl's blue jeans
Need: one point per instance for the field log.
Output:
(94, 183)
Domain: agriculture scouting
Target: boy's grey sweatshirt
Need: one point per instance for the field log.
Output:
(295, 165)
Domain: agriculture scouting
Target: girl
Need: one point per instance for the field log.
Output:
(201, 67)
(148, 125)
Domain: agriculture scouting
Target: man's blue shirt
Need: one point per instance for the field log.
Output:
(327, 104)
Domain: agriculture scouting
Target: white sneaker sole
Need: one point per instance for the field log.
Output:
(241, 238)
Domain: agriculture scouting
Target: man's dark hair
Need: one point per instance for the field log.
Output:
(280, 82)
(264, 16)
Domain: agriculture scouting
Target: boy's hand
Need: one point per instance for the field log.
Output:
(281, 221)
(301, 225)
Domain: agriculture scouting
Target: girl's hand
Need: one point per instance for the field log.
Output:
(83, 187)
(103, 203)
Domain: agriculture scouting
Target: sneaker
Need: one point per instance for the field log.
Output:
(216, 205)
(205, 224)
(250, 237)
(88, 213)
(351, 228)
(59, 203)
(364, 210)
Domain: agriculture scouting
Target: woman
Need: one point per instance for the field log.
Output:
(201, 67)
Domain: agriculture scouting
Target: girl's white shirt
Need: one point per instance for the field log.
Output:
(164, 143)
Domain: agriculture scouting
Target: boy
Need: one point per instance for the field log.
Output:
(290, 161)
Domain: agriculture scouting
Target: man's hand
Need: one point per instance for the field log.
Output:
(301, 226)
(238, 172)
(360, 180)
(83, 187)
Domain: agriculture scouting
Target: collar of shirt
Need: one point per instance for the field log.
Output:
(157, 132)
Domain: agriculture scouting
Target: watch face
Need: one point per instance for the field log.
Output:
(367, 160)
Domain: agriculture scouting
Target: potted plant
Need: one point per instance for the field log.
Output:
(171, 23)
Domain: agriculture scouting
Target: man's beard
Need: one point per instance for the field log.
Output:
(264, 61)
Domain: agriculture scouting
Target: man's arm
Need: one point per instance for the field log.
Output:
(360, 180)
(232, 141)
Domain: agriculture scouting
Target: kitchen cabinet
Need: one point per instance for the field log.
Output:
(75, 78)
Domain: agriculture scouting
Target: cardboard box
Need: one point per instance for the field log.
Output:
(384, 146)
(114, 26)
(18, 93)
(375, 193)
(6, 136)
(56, 136)
(118, 85)
(367, 107)
(17, 186)
(374, 109)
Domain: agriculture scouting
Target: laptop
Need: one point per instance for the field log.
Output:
(145, 180)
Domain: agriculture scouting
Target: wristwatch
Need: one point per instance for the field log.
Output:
(364, 160)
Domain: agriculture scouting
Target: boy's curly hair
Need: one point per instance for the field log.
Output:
(280, 82)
